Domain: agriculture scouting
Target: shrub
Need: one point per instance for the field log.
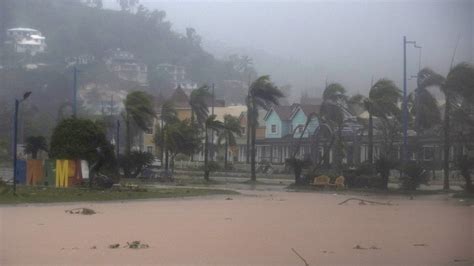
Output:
(212, 166)
(134, 163)
(383, 166)
(413, 175)
(363, 181)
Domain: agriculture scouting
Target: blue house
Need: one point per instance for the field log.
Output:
(277, 122)
(299, 117)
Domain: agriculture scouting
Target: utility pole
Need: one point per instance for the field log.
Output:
(405, 101)
(15, 138)
(212, 132)
(74, 98)
(118, 138)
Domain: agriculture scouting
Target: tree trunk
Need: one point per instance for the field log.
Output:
(128, 148)
(247, 152)
(253, 176)
(371, 140)
(206, 151)
(447, 142)
(226, 147)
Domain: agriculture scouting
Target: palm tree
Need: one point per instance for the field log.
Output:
(138, 110)
(212, 125)
(34, 144)
(262, 94)
(231, 128)
(382, 102)
(458, 84)
(198, 103)
(333, 112)
(168, 117)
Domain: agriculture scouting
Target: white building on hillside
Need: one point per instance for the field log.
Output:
(26, 40)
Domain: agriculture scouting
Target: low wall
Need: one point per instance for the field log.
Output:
(59, 173)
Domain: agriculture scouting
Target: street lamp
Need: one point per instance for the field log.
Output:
(405, 99)
(417, 92)
(15, 139)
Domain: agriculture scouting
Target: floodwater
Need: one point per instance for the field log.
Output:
(255, 228)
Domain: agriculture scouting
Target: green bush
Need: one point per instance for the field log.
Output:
(135, 162)
(212, 166)
(414, 174)
(383, 166)
(363, 181)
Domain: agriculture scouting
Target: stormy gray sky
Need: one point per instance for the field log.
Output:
(306, 42)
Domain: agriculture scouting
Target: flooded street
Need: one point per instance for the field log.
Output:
(255, 228)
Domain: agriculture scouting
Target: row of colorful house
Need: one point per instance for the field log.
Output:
(279, 130)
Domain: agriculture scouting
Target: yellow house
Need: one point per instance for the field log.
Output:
(183, 110)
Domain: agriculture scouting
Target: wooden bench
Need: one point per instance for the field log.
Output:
(321, 181)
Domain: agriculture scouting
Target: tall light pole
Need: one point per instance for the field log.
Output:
(15, 137)
(74, 97)
(405, 100)
(417, 93)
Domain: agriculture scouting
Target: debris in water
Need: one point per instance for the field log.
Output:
(84, 211)
(114, 246)
(137, 245)
(420, 245)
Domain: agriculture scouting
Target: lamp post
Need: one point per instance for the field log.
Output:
(405, 100)
(15, 137)
(118, 138)
(74, 97)
(417, 93)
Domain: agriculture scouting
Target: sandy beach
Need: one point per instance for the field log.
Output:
(255, 228)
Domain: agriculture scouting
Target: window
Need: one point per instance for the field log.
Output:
(300, 128)
(149, 130)
(149, 149)
(274, 128)
(428, 153)
(242, 129)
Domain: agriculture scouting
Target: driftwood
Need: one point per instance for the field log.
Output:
(363, 202)
(84, 211)
(299, 256)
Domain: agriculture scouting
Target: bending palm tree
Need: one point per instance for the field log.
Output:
(231, 128)
(199, 108)
(168, 117)
(34, 144)
(138, 110)
(212, 125)
(262, 93)
(459, 82)
(333, 110)
(382, 102)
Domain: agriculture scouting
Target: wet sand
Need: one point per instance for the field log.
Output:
(257, 228)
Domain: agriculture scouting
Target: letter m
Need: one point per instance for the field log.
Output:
(62, 172)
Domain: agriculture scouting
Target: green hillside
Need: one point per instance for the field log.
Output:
(73, 29)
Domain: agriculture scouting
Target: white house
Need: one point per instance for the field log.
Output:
(26, 40)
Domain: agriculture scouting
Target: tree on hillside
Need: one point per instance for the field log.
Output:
(456, 86)
(128, 5)
(211, 125)
(139, 112)
(227, 135)
(83, 139)
(34, 144)
(262, 94)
